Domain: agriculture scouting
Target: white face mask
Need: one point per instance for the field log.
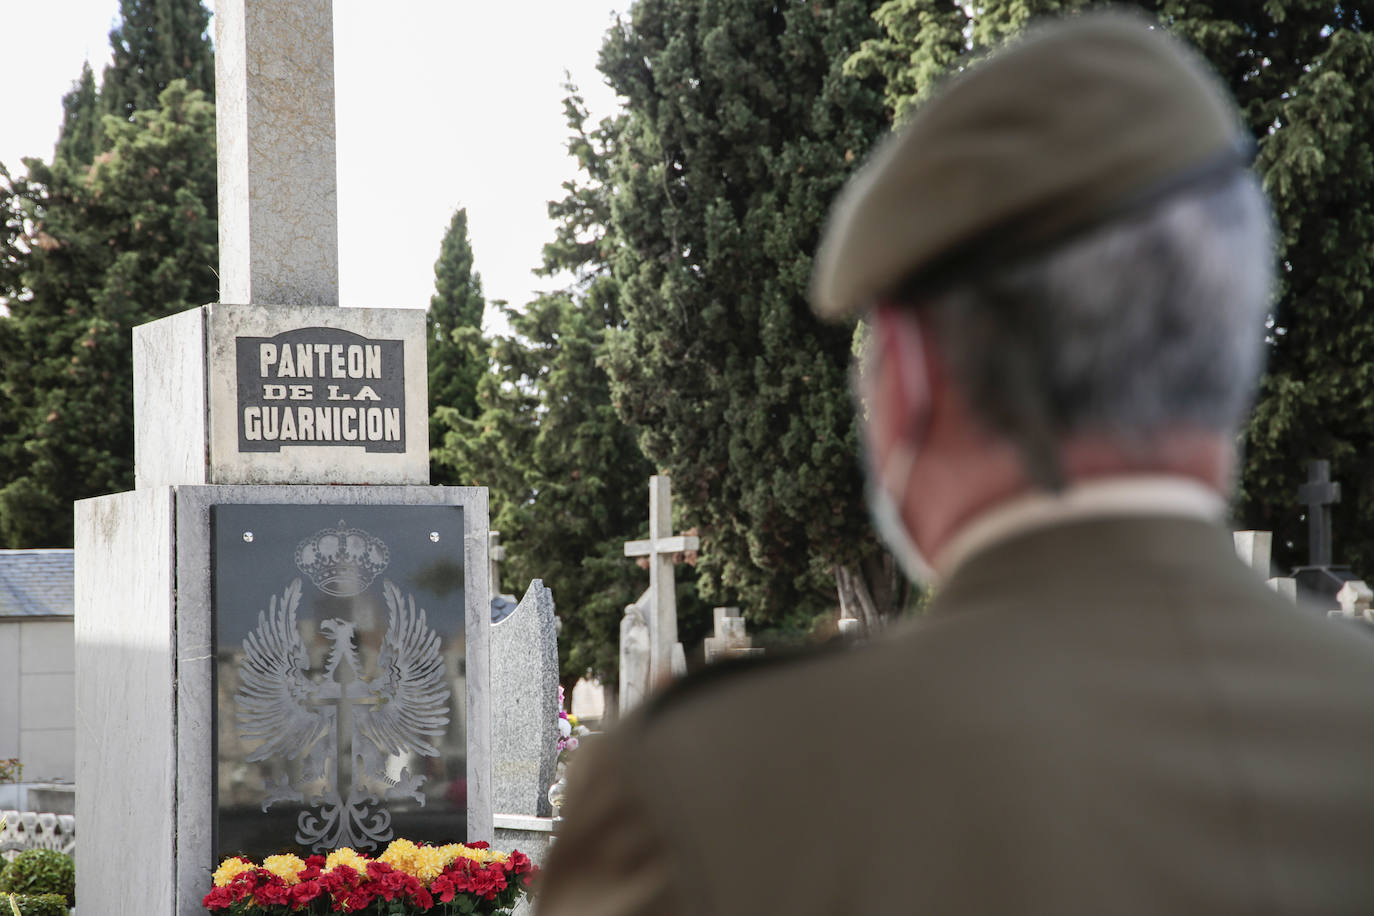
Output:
(886, 494)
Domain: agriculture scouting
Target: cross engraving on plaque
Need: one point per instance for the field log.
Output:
(1318, 495)
(660, 547)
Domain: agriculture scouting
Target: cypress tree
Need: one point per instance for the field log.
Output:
(80, 135)
(566, 477)
(457, 356)
(740, 127)
(1303, 74)
(156, 42)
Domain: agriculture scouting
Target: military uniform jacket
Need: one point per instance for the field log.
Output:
(1109, 716)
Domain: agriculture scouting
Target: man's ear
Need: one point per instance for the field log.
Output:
(910, 368)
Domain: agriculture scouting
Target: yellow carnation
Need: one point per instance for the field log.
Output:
(230, 869)
(400, 855)
(345, 856)
(429, 863)
(287, 867)
(467, 852)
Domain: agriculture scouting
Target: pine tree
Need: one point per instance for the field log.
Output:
(1303, 74)
(156, 42)
(80, 135)
(740, 128)
(130, 239)
(457, 357)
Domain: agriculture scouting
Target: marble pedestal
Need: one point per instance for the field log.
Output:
(144, 661)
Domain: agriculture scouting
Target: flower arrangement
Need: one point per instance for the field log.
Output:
(408, 878)
(569, 730)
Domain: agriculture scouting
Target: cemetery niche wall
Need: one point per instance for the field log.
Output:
(340, 677)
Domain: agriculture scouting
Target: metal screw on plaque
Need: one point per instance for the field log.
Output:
(434, 536)
(248, 537)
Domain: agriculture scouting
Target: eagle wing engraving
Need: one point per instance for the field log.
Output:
(410, 683)
(274, 692)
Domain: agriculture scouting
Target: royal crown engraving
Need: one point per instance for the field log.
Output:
(342, 561)
(299, 715)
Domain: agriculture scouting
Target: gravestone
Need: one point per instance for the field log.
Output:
(665, 652)
(1255, 549)
(1321, 579)
(524, 682)
(236, 680)
(730, 638)
(524, 691)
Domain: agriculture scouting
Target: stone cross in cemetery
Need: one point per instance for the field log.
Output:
(280, 542)
(1318, 495)
(660, 602)
(1321, 580)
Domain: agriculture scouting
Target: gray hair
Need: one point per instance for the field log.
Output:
(1149, 322)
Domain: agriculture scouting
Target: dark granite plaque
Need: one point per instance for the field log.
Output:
(320, 386)
(340, 689)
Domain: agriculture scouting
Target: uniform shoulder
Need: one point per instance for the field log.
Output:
(738, 673)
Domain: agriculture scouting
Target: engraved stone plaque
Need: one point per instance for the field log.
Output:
(340, 677)
(243, 394)
(320, 387)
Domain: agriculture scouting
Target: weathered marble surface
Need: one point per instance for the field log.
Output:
(524, 689)
(278, 187)
(169, 401)
(126, 713)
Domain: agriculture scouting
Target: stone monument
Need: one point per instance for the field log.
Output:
(1255, 548)
(524, 696)
(1321, 579)
(524, 700)
(660, 601)
(634, 655)
(281, 632)
(731, 639)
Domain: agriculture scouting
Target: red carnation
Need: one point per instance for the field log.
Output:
(359, 898)
(305, 892)
(518, 863)
(443, 887)
(276, 894)
(477, 844)
(218, 899)
(489, 882)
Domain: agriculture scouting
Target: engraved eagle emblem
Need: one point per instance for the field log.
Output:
(298, 715)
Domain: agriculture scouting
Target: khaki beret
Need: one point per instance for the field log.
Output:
(1079, 120)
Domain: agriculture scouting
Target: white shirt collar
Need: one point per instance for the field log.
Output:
(1137, 494)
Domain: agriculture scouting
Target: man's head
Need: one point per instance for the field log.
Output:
(1066, 265)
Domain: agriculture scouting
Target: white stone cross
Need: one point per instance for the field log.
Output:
(659, 548)
(278, 189)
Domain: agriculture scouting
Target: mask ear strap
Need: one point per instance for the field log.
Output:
(895, 474)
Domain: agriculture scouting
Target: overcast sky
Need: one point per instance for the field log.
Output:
(440, 104)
